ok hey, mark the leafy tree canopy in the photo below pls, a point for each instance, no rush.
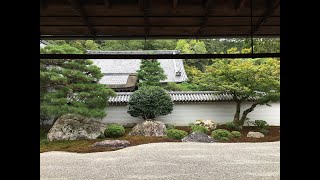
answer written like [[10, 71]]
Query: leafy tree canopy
[[150, 73], [70, 86]]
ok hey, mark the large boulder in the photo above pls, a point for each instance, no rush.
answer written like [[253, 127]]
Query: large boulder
[[114, 144], [198, 137], [149, 128], [252, 134], [209, 124], [74, 127]]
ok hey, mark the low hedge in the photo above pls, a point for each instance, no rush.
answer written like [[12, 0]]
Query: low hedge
[[176, 133]]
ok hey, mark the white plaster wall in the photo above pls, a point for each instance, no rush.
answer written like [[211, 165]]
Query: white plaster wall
[[185, 113]]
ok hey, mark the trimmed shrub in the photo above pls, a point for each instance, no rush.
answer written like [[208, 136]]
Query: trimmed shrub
[[176, 133], [149, 102], [196, 128], [219, 133], [261, 124], [264, 131], [224, 139], [233, 126], [236, 134], [114, 131], [169, 126]]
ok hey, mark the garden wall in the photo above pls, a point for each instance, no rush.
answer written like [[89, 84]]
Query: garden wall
[[185, 113]]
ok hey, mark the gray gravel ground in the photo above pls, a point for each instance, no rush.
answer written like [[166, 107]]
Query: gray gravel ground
[[168, 161]]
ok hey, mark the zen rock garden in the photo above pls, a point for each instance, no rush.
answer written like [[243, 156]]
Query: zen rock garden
[[74, 127]]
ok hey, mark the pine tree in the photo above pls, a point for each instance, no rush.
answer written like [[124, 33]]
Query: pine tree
[[70, 86], [150, 73]]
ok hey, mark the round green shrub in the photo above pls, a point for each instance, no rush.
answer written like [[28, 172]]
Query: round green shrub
[[224, 139], [236, 134], [114, 130], [196, 128], [219, 133], [176, 133], [233, 126], [149, 102], [264, 131], [261, 124]]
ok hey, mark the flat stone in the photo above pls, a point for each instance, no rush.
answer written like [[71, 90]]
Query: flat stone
[[198, 137], [252, 134], [112, 144]]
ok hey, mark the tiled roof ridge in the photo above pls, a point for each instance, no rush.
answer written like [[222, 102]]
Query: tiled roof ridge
[[182, 92], [185, 96], [133, 52]]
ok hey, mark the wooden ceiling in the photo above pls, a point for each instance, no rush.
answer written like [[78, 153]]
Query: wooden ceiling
[[158, 19]]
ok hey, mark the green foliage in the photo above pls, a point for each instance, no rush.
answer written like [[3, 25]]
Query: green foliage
[[224, 139], [264, 131], [243, 79], [176, 133], [233, 126], [169, 126], [236, 134], [193, 73], [70, 86], [267, 45], [220, 133], [150, 73], [122, 45], [261, 124], [171, 86], [197, 128], [149, 102], [114, 131], [193, 47]]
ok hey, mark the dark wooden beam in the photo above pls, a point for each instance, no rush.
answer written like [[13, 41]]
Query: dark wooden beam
[[206, 7], [141, 37], [141, 4], [107, 3], [144, 6], [239, 4], [43, 4], [158, 16], [157, 56], [174, 4], [76, 5], [272, 7], [141, 26]]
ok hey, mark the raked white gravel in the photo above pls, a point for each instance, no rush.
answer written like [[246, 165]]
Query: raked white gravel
[[220, 161]]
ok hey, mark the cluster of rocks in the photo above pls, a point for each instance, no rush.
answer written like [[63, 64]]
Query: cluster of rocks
[[73, 127], [209, 124]]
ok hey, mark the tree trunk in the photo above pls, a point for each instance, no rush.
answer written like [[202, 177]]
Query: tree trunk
[[246, 112], [237, 114]]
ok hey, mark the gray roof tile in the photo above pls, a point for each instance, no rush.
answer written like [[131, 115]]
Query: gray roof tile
[[182, 96], [129, 66]]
